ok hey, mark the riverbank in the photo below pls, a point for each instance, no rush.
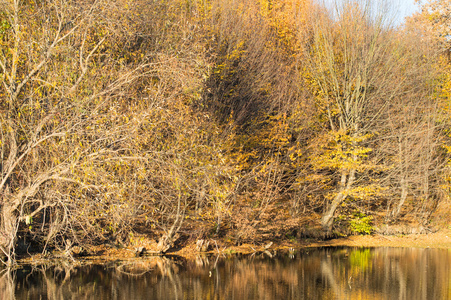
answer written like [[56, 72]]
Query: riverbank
[[440, 239], [104, 253]]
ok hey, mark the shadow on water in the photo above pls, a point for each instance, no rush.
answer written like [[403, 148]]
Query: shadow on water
[[325, 273]]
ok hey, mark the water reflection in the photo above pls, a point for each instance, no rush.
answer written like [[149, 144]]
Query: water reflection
[[327, 273]]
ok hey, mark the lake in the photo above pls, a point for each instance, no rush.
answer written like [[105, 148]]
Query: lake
[[320, 273]]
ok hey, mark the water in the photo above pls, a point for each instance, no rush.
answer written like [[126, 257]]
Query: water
[[325, 273]]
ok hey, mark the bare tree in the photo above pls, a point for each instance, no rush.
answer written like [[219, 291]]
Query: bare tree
[[59, 107], [351, 60]]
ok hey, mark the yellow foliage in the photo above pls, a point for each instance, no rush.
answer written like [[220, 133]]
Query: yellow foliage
[[365, 192], [342, 152]]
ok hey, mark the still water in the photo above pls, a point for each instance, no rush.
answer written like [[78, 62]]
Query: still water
[[325, 273]]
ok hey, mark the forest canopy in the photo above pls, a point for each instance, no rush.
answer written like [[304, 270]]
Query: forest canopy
[[243, 121]]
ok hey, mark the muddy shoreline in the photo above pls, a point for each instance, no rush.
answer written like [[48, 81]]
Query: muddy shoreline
[[104, 253]]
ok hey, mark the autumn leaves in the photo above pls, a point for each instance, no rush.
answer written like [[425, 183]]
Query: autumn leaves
[[123, 113]]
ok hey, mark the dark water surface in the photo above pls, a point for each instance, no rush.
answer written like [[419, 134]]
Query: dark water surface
[[326, 273]]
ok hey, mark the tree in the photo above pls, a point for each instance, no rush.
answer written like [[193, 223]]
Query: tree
[[61, 88], [351, 61], [434, 18], [411, 133]]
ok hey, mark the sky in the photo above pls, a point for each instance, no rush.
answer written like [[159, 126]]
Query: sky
[[406, 8], [402, 8]]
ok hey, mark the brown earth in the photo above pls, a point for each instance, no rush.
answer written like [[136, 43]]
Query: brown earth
[[393, 236], [440, 239], [104, 253]]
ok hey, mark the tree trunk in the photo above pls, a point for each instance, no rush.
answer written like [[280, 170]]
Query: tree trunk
[[328, 217], [8, 232], [345, 184], [404, 193]]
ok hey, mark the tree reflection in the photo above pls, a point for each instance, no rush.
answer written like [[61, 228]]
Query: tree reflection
[[6, 285], [346, 273]]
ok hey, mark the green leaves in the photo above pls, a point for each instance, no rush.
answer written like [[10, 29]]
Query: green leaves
[[361, 224], [4, 26]]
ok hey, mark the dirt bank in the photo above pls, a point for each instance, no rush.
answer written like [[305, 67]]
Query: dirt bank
[[439, 239]]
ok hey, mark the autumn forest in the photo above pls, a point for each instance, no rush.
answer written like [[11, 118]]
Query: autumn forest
[[242, 121]]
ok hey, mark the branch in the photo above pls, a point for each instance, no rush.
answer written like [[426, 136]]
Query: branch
[[30, 147]]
